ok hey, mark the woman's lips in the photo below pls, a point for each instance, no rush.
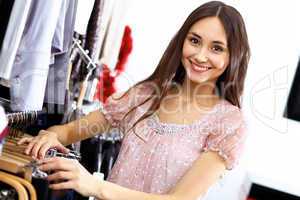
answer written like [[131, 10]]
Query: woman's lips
[[199, 68]]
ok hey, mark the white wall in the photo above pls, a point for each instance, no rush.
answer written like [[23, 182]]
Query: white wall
[[274, 33]]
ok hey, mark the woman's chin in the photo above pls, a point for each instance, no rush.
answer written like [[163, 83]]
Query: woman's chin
[[198, 79]]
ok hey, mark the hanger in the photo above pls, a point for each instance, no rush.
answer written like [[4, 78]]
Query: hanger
[[84, 55], [14, 160], [26, 184], [22, 194], [11, 164]]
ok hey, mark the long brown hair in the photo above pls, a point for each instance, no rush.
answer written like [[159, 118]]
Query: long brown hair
[[229, 85]]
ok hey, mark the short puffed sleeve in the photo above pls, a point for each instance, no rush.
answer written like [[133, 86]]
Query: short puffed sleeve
[[115, 108], [228, 135]]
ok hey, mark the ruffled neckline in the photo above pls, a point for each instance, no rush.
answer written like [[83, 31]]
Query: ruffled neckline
[[165, 127]]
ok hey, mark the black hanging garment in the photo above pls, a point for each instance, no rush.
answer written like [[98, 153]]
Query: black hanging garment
[[5, 11], [110, 153]]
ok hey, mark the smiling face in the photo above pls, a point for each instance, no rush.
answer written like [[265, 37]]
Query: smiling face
[[205, 54]]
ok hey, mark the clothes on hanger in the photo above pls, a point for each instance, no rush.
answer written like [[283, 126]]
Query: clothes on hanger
[[103, 27], [30, 49], [13, 159], [93, 38], [56, 81], [78, 64], [47, 33], [83, 13], [82, 88], [114, 15], [13, 35], [103, 39], [100, 153], [110, 153], [20, 121], [31, 64], [40, 68], [61, 48], [91, 151]]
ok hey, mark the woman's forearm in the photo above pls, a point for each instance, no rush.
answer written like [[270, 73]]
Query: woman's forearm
[[61, 132], [110, 191], [80, 129]]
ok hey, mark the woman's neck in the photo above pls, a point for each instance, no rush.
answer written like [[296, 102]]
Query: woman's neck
[[199, 93]]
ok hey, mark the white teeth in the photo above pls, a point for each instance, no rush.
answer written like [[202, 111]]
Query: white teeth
[[203, 68], [200, 68]]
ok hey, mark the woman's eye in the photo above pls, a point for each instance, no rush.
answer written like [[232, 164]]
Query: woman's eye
[[218, 48], [194, 40]]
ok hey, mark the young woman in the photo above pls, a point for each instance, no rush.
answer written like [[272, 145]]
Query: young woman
[[182, 126]]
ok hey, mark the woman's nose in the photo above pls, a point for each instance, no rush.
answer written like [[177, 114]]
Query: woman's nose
[[201, 55]]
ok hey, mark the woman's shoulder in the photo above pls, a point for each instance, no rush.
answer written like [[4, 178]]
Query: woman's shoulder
[[227, 112], [133, 96], [227, 108], [227, 118], [142, 90], [133, 91]]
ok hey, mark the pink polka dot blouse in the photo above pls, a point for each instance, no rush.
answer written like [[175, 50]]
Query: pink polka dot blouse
[[157, 155]]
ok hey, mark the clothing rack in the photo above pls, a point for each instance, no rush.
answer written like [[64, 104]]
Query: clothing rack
[[92, 161], [111, 136], [84, 55], [90, 66], [13, 162], [23, 117], [20, 185], [16, 123]]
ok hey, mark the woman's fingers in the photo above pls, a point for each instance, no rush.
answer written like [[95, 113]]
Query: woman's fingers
[[62, 148], [68, 174], [39, 145], [36, 148], [63, 185], [61, 175], [31, 144], [46, 146], [43, 149], [56, 163], [24, 140]]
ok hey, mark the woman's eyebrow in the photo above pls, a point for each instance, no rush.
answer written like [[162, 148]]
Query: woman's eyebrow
[[215, 42], [219, 42], [195, 34]]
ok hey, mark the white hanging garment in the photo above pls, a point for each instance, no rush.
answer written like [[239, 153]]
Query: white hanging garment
[[60, 52], [29, 75], [114, 30], [83, 13], [13, 37]]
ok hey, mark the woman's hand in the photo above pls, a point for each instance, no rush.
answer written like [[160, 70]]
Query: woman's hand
[[69, 174], [39, 145]]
